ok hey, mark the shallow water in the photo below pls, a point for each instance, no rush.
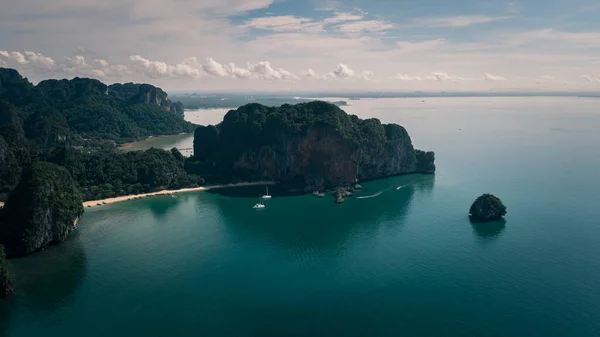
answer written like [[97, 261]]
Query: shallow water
[[404, 263]]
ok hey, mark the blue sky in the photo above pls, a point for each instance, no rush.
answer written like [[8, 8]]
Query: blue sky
[[306, 45]]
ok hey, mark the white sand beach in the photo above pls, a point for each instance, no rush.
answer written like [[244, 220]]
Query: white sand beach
[[97, 203]]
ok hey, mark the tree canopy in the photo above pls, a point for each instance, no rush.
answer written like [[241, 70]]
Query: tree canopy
[[487, 207], [42, 209]]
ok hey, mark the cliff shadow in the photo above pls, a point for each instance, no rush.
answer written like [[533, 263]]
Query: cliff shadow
[[5, 314], [308, 222], [275, 190], [488, 231], [161, 205], [46, 280]]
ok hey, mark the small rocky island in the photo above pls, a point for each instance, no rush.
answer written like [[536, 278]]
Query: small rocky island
[[487, 207], [305, 147], [42, 210]]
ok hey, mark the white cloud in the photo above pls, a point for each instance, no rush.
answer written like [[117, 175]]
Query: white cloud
[[366, 75], [214, 68], [97, 68], [284, 23], [263, 70], [238, 72], [364, 26], [310, 74], [404, 77], [342, 71], [455, 21], [586, 39], [548, 77], [591, 79], [419, 46], [442, 77], [30, 59], [157, 69], [490, 77], [341, 17]]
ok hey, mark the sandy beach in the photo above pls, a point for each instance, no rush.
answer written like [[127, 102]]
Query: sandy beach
[[97, 203]]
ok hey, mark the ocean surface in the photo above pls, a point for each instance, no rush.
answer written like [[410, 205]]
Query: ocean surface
[[404, 261]]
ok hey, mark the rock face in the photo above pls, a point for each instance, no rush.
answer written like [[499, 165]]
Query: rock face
[[6, 283], [487, 207], [305, 147], [42, 210], [146, 94]]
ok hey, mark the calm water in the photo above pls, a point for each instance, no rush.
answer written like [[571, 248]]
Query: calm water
[[184, 142], [405, 263]]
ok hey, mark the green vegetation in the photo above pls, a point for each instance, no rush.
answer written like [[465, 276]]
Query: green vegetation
[[6, 283], [42, 210], [77, 123], [487, 207], [307, 141], [110, 173], [232, 101], [425, 161], [84, 111]]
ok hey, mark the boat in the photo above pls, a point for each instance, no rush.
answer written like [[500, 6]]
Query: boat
[[260, 205], [267, 196]]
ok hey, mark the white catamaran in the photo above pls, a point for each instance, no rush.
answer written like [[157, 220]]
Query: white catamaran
[[260, 205], [267, 196]]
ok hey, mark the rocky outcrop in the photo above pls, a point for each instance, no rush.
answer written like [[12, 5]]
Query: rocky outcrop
[[306, 147], [145, 94], [42, 210], [6, 282], [487, 207]]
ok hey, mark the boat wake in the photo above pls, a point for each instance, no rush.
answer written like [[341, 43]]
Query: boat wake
[[371, 196]]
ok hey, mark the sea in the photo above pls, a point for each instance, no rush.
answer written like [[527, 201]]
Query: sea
[[400, 258]]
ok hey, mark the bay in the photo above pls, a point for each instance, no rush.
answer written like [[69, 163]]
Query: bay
[[406, 262]]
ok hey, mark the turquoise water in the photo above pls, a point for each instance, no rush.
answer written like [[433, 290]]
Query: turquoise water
[[405, 263]]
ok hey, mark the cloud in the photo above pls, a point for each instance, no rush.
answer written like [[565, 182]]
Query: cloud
[[366, 75], [420, 46], [214, 68], [455, 21], [264, 70], [490, 77], [28, 58], [310, 74], [237, 72], [579, 38], [442, 77], [341, 17], [157, 69], [260, 70], [364, 26], [591, 79], [342, 71], [284, 23], [77, 66], [548, 77], [404, 77]]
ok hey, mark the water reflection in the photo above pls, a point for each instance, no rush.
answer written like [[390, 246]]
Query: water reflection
[[161, 205], [60, 268], [488, 230], [304, 224], [5, 305]]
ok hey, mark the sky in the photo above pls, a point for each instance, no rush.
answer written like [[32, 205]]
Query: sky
[[306, 45]]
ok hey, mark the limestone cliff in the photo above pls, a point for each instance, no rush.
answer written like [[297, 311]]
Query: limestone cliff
[[306, 146], [42, 210]]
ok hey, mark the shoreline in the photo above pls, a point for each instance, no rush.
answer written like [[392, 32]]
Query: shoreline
[[107, 201]]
